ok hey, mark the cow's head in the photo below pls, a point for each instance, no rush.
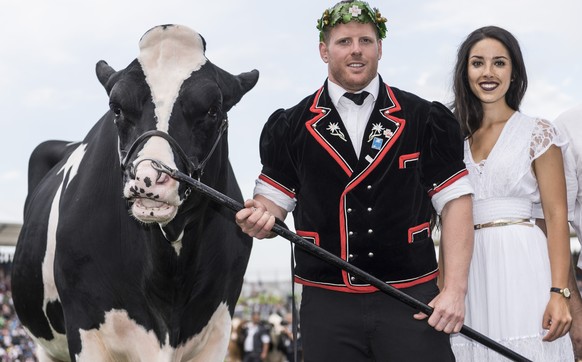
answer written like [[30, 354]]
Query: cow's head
[[174, 89]]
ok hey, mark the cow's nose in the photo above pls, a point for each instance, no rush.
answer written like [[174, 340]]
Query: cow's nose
[[143, 171]]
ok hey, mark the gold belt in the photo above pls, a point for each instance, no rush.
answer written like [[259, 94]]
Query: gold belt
[[525, 222]]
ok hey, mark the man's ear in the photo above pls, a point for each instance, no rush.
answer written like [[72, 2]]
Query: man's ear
[[323, 52], [379, 49]]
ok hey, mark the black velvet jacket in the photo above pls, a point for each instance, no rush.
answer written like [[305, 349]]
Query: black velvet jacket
[[374, 211]]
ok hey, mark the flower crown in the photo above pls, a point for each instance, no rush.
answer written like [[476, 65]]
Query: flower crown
[[344, 12]]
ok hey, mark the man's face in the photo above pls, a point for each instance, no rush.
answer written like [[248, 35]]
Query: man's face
[[352, 52]]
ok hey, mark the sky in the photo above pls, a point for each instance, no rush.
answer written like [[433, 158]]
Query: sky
[[48, 87]]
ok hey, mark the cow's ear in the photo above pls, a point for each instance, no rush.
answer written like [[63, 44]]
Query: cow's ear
[[104, 72], [234, 87]]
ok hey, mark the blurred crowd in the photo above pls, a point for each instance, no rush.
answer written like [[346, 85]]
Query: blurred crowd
[[15, 345], [265, 338], [262, 328]]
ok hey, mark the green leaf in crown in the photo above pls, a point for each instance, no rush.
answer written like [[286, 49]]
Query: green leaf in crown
[[347, 11]]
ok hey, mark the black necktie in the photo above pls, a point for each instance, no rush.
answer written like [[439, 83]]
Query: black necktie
[[357, 98]]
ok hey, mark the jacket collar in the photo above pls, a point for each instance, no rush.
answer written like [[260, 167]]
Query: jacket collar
[[382, 131]]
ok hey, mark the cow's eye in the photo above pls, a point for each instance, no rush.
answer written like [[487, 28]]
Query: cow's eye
[[213, 111], [115, 109]]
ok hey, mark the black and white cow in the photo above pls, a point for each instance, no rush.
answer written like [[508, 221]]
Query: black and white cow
[[94, 281]]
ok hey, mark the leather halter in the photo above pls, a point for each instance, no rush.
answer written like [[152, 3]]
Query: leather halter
[[191, 168]]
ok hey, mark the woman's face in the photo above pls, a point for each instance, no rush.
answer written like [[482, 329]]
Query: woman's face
[[489, 71]]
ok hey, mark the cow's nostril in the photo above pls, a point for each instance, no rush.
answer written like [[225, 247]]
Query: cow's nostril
[[162, 178]]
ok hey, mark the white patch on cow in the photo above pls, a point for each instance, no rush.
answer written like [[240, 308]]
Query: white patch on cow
[[168, 55], [176, 244], [120, 338], [58, 346]]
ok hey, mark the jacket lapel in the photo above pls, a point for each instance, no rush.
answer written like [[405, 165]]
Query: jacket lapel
[[329, 131], [382, 132]]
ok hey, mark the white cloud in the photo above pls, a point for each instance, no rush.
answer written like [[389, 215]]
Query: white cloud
[[11, 175]]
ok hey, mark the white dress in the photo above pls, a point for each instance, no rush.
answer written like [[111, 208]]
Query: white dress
[[509, 277]]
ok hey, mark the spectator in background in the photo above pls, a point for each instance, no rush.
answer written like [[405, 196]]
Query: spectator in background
[[15, 344], [570, 125], [256, 339], [287, 343]]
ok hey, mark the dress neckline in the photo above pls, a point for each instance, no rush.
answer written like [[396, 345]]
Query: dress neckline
[[482, 162]]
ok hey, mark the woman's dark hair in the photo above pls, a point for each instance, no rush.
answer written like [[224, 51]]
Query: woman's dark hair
[[466, 106]]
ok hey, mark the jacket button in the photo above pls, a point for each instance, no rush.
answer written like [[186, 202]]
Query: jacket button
[[370, 231], [369, 209], [353, 279], [371, 255], [369, 187], [351, 233], [349, 210], [351, 256]]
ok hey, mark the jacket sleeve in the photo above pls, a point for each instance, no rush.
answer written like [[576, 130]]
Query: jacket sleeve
[[442, 150], [274, 147]]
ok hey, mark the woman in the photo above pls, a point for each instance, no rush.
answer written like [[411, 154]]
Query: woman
[[517, 281]]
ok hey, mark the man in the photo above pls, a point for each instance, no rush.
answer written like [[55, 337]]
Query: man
[[286, 343], [256, 339], [570, 125], [362, 178]]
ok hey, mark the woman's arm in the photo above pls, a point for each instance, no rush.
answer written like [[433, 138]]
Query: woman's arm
[[549, 172]]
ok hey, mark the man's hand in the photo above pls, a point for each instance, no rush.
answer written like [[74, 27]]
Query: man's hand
[[258, 217], [448, 312], [255, 220]]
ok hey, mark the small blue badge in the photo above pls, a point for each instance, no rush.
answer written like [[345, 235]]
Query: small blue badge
[[377, 143]]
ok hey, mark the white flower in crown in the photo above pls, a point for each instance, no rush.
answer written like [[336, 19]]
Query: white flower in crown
[[388, 133], [355, 11]]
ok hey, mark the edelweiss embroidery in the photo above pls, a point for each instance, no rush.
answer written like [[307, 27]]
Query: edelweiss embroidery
[[334, 130], [377, 130]]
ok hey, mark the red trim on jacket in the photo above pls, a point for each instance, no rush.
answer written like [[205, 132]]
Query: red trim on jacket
[[447, 182], [361, 177], [277, 185], [405, 158], [415, 229], [309, 234], [369, 288], [322, 112]]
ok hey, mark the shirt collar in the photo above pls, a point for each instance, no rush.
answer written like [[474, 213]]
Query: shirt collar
[[336, 91]]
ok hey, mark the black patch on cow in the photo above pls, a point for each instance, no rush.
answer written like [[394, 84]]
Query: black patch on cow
[[54, 312], [148, 181]]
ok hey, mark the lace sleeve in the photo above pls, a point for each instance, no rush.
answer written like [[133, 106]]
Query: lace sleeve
[[544, 135]]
